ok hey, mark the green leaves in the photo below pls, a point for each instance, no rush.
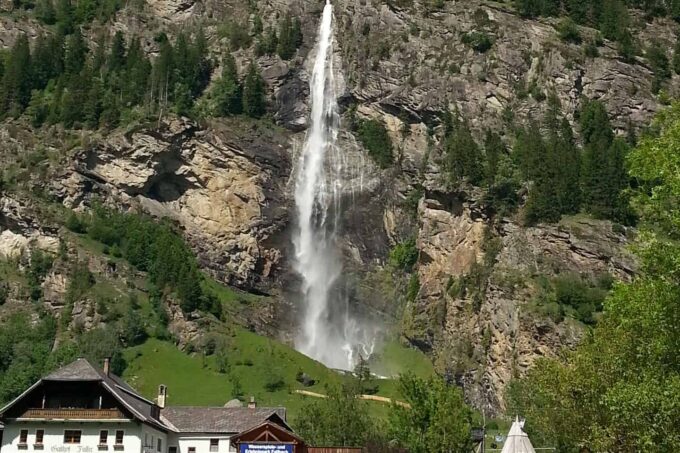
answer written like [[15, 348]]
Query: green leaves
[[436, 419], [620, 389]]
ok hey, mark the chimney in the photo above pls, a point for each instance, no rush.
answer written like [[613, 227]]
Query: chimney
[[252, 404], [162, 394], [107, 365]]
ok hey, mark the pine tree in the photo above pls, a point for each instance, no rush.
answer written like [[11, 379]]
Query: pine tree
[[200, 62], [228, 91], [76, 51], [116, 59], [65, 17], [42, 66], [676, 54], [614, 20], [17, 80], [254, 103], [493, 150], [658, 60], [603, 174], [182, 61], [162, 77], [567, 161], [44, 11], [463, 158], [286, 45], [137, 73], [529, 150], [296, 33]]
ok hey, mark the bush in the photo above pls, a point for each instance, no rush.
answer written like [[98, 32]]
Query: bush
[[568, 31], [478, 40], [274, 382], [74, 223], [373, 135], [404, 255]]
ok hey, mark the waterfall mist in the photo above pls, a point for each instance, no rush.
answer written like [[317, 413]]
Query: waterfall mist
[[330, 332]]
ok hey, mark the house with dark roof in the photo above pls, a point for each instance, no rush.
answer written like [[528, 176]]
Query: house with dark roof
[[83, 409]]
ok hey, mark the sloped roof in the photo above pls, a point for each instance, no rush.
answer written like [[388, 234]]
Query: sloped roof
[[517, 440], [193, 419], [188, 419], [81, 370], [78, 370]]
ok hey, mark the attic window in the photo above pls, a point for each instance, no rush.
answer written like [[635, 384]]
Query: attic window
[[214, 444], [72, 436]]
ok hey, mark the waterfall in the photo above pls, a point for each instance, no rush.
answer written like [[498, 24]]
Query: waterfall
[[329, 332]]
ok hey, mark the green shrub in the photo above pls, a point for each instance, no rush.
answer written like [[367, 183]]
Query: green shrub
[[274, 382], [404, 255], [477, 40], [373, 135], [568, 31], [413, 288], [41, 263]]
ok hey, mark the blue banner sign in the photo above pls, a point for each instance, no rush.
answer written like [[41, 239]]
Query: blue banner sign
[[265, 448]]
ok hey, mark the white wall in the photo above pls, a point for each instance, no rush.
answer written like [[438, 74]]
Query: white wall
[[53, 440], [201, 441]]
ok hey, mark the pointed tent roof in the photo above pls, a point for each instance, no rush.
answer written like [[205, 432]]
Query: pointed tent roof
[[517, 441]]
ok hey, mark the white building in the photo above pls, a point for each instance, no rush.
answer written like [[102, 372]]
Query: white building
[[82, 409]]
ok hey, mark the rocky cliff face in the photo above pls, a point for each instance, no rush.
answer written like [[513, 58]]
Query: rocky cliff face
[[227, 182]]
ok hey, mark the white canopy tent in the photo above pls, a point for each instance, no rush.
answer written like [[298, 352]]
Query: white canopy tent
[[517, 441]]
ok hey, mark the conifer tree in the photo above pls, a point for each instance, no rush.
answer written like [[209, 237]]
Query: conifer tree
[[44, 11], [658, 60], [228, 91], [254, 102], [286, 45], [603, 174], [116, 59], [463, 157], [42, 66], [76, 51], [64, 17], [137, 73], [676, 54], [15, 91], [493, 150]]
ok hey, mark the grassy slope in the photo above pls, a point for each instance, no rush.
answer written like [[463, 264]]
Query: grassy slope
[[194, 380]]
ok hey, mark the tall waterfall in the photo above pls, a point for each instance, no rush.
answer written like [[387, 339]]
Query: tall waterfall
[[329, 332]]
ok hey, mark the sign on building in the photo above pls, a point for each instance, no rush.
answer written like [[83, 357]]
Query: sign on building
[[266, 448]]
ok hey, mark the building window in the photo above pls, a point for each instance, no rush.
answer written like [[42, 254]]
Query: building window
[[159, 444], [214, 444], [192, 449], [119, 440], [39, 435], [23, 439], [72, 436], [172, 449], [103, 439]]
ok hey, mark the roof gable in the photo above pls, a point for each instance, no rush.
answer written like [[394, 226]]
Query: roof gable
[[81, 370], [78, 370]]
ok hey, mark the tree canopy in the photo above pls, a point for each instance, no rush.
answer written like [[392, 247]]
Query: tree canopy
[[620, 389]]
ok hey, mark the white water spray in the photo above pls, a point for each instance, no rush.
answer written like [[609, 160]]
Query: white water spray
[[329, 334]]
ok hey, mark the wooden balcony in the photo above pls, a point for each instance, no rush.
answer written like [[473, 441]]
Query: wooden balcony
[[73, 414]]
